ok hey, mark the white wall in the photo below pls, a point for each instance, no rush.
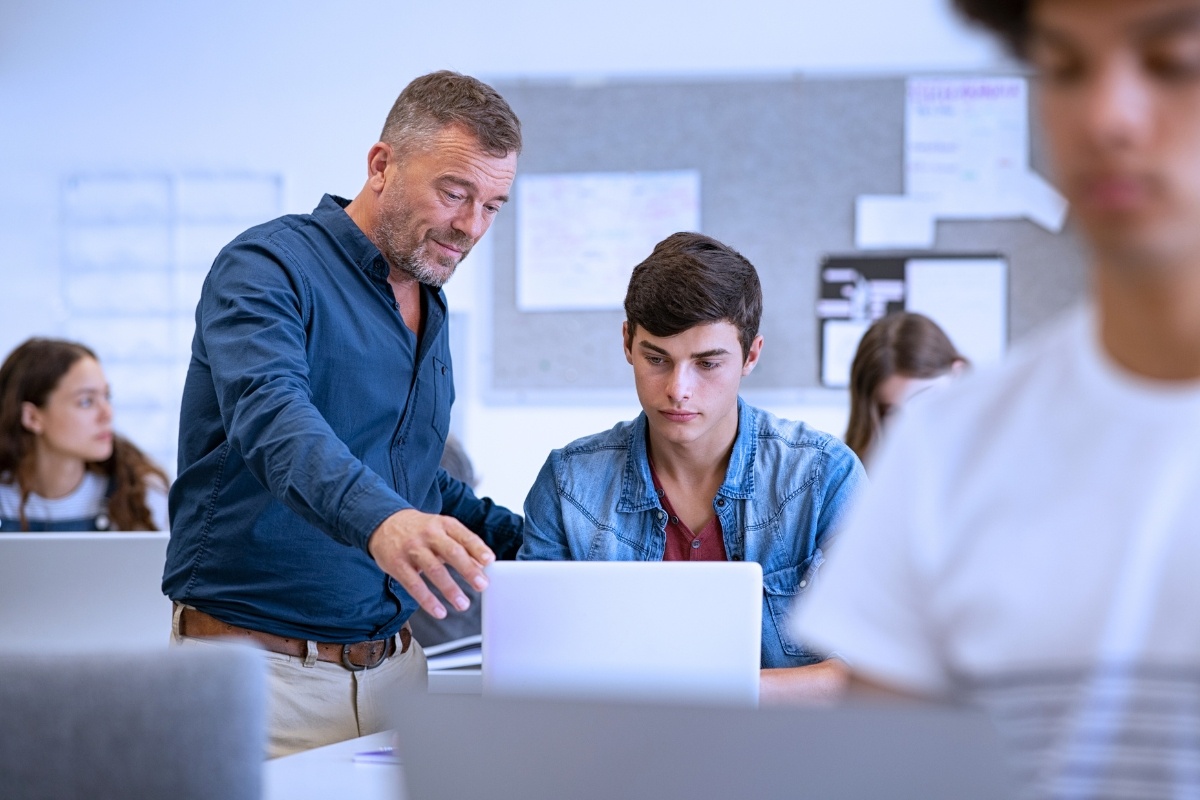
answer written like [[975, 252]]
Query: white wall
[[189, 97]]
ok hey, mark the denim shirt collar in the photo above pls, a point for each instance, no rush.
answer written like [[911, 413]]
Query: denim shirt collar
[[637, 487]]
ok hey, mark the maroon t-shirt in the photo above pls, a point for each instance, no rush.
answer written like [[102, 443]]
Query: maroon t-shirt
[[682, 544]]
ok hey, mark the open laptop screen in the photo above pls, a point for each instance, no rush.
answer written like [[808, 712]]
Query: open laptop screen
[[662, 631]]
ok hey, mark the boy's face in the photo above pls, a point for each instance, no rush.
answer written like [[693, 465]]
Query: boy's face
[[688, 383], [1119, 97]]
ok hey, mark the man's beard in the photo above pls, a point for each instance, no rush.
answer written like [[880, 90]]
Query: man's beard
[[414, 258]]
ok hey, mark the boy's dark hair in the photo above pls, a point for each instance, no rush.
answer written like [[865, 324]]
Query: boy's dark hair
[[1008, 19], [691, 279]]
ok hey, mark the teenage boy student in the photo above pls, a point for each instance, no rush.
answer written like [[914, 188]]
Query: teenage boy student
[[1031, 539], [700, 474]]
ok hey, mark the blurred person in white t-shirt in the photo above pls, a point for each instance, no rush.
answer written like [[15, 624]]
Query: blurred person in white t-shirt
[[1031, 536]]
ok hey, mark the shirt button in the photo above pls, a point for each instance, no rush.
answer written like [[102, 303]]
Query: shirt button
[[674, 520], [721, 501], [660, 514], [695, 544], [443, 370], [803, 584], [659, 492]]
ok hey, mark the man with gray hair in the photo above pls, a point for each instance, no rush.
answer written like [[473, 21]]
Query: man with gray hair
[[310, 508]]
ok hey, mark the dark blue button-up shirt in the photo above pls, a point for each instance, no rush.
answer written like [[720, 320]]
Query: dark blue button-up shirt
[[310, 414]]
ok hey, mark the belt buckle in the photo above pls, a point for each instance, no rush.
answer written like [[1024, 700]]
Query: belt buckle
[[360, 667], [347, 663]]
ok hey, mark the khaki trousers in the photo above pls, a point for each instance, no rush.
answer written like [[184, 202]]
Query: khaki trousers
[[322, 703]]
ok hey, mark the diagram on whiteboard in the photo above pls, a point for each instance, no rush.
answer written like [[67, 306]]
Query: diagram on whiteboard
[[579, 235]]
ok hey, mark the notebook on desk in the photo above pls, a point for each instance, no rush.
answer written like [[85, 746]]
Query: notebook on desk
[[659, 631], [456, 746], [62, 592]]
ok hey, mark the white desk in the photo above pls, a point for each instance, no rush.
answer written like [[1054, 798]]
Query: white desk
[[331, 771]]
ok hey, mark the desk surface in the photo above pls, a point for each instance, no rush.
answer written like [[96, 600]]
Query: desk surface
[[331, 771]]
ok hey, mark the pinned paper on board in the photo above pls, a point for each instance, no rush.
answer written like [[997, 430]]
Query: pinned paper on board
[[966, 156], [579, 235], [966, 295]]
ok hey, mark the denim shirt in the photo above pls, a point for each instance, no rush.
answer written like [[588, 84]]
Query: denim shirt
[[785, 492], [310, 414]]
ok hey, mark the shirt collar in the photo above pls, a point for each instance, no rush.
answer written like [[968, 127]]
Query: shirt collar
[[739, 478], [638, 492], [331, 212]]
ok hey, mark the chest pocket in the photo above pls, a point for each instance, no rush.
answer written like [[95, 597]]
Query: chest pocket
[[781, 588], [443, 397]]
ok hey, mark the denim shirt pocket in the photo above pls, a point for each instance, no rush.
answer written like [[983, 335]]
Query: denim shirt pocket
[[442, 379], [781, 589]]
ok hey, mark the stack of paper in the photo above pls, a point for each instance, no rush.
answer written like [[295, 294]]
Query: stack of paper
[[458, 654]]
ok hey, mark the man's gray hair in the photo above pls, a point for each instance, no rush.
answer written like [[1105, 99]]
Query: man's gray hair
[[433, 101]]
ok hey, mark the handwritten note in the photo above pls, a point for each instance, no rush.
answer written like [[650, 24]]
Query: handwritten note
[[966, 156]]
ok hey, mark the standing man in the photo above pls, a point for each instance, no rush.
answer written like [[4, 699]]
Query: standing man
[[1031, 538], [701, 475], [309, 508]]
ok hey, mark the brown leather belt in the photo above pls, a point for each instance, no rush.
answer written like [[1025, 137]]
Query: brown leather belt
[[354, 657]]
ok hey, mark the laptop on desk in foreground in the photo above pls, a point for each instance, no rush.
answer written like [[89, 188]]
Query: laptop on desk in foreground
[[513, 748], [632, 630], [67, 592]]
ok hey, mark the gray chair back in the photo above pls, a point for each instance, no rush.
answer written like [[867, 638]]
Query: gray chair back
[[183, 723]]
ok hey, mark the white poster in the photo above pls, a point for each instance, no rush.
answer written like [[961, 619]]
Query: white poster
[[579, 235], [966, 156], [839, 343], [968, 298], [966, 140]]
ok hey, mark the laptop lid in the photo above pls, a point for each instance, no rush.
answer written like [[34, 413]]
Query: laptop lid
[[62, 592], [456, 746], [661, 631]]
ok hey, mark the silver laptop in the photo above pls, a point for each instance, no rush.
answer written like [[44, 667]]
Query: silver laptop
[[657, 631], [456, 746], [64, 592]]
